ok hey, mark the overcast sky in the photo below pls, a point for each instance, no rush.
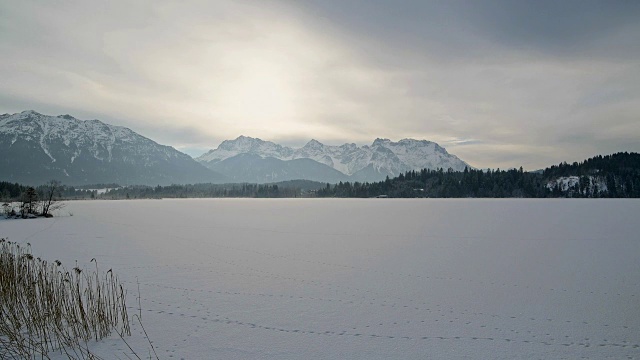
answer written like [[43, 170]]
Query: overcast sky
[[498, 83]]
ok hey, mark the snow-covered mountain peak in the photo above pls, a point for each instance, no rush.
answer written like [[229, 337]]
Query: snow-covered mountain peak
[[93, 136], [383, 156], [245, 145], [89, 149], [414, 142], [380, 141], [349, 146], [30, 112], [313, 144], [34, 120]]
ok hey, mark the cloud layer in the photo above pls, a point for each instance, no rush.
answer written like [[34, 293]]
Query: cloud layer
[[501, 84]]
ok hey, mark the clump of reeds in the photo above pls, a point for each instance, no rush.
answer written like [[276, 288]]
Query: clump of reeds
[[45, 308]]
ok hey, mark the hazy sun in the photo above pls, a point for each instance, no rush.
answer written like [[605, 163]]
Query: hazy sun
[[261, 92]]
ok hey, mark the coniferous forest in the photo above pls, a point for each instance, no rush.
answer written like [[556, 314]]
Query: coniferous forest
[[616, 175], [610, 176]]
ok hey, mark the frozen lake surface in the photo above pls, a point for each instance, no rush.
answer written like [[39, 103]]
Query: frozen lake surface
[[362, 279]]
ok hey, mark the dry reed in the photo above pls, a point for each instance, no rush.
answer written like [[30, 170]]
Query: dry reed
[[45, 308]]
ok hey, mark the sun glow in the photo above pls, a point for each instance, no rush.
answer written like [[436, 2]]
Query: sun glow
[[260, 93]]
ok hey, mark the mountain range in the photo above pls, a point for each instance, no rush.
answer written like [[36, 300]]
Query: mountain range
[[37, 148], [248, 159]]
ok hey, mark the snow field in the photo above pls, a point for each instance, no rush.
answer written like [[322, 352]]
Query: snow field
[[362, 279]]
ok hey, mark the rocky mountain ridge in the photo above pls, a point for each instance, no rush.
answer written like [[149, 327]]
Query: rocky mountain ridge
[[362, 163], [37, 148]]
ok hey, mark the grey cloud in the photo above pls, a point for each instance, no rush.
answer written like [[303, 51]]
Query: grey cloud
[[584, 28], [478, 29], [526, 82]]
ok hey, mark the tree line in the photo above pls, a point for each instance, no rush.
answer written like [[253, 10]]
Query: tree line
[[28, 201], [202, 191], [14, 192], [616, 175]]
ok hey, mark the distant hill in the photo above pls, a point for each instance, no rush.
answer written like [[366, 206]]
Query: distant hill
[[252, 168], [37, 148]]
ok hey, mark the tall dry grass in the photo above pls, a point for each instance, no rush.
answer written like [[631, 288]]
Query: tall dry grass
[[45, 308]]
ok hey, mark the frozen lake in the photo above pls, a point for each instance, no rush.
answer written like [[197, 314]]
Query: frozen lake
[[363, 279]]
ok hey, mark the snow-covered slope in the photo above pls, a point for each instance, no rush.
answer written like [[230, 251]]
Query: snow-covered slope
[[245, 145], [37, 148], [367, 163], [332, 156], [421, 154], [588, 185]]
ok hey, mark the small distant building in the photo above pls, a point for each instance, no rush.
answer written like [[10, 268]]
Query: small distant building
[[382, 196]]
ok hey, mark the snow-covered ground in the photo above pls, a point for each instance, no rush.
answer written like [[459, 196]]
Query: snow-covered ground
[[362, 279]]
